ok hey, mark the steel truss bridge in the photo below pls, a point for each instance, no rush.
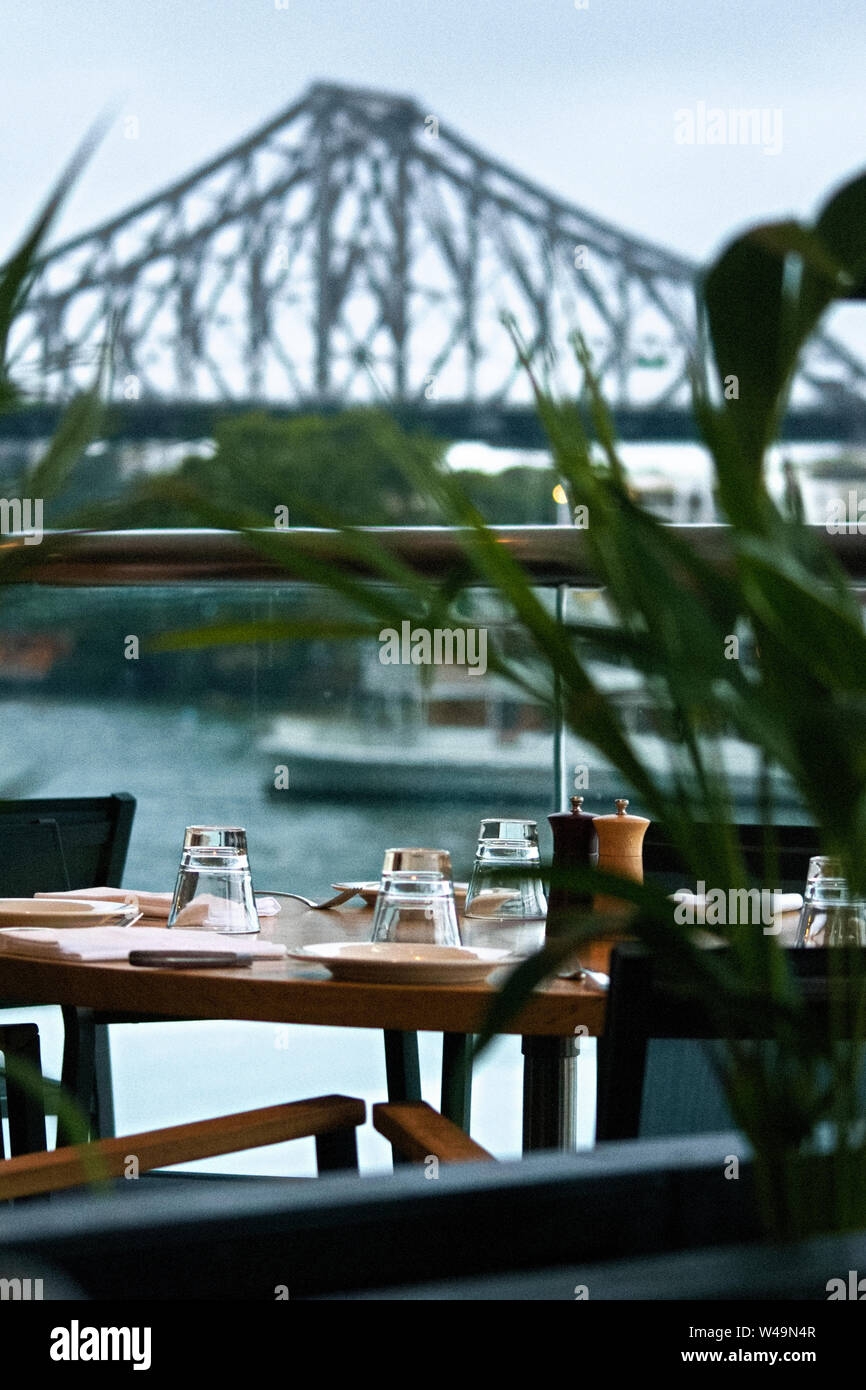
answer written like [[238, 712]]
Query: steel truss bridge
[[356, 249]]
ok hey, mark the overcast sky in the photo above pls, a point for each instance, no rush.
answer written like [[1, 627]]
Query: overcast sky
[[583, 100]]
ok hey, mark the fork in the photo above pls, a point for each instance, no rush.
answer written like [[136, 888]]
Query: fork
[[593, 977], [342, 897]]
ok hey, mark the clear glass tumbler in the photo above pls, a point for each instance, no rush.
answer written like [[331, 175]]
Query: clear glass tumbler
[[214, 890], [506, 883], [831, 916], [416, 899], [821, 866]]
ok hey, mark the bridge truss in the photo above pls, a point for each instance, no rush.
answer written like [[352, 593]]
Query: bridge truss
[[356, 249]]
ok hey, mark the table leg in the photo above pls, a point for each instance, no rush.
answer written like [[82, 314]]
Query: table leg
[[549, 1093], [456, 1093], [402, 1069]]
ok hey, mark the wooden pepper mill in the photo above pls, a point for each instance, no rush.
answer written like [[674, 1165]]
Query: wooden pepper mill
[[574, 846], [620, 851]]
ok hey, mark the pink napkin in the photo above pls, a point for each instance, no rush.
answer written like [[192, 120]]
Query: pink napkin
[[155, 907], [115, 943]]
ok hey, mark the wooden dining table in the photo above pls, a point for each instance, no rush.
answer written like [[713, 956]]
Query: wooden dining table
[[291, 991]]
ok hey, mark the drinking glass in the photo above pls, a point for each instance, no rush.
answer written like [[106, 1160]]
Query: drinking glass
[[506, 884], [831, 916], [214, 890], [821, 866], [416, 899]]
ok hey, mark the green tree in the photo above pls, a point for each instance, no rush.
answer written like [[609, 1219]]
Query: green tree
[[516, 496], [351, 464]]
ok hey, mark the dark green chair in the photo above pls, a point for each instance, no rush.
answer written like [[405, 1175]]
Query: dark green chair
[[657, 1076], [54, 845], [656, 1073]]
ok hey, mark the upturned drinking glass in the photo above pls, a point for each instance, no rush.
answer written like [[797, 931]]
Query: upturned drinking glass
[[214, 889], [832, 917], [506, 883], [416, 899], [821, 866]]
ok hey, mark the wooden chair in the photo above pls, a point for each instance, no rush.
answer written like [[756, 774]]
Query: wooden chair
[[33, 1170], [332, 1120], [54, 845], [417, 1132]]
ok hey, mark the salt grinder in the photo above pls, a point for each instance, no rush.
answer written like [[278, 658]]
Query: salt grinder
[[574, 846], [620, 851]]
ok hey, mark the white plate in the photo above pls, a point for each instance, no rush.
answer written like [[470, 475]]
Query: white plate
[[402, 962], [63, 912], [369, 891]]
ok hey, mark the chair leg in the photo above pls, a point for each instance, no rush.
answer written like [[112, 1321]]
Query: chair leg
[[86, 1073], [103, 1093], [24, 1089], [337, 1151], [77, 1076]]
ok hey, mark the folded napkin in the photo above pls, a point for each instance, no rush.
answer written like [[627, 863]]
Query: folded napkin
[[209, 911], [154, 907], [115, 943]]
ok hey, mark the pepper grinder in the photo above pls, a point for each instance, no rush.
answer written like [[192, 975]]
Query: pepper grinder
[[574, 846], [620, 851]]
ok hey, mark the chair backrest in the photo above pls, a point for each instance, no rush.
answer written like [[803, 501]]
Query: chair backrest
[[794, 846], [51, 844], [339, 1234], [656, 1074]]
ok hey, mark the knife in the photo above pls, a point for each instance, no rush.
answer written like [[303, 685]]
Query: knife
[[191, 960]]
